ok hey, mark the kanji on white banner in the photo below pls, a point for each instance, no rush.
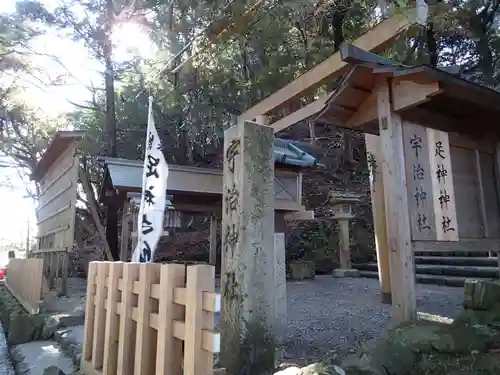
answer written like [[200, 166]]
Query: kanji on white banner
[[154, 190]]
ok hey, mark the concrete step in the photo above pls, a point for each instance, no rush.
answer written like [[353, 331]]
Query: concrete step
[[442, 269], [455, 281], [458, 261]]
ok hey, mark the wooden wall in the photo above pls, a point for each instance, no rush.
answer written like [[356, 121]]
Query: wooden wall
[[478, 211], [475, 192], [57, 204], [56, 218]]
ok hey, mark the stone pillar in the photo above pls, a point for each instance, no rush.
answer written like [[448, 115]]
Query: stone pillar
[[212, 257], [342, 205], [345, 244], [248, 324], [280, 275]]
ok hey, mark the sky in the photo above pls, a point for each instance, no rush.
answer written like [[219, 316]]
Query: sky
[[79, 70]]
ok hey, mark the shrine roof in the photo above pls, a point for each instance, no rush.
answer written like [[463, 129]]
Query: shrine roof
[[462, 102], [126, 173]]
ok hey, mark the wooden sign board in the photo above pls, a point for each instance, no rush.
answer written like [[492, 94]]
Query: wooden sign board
[[419, 183], [442, 186], [429, 178]]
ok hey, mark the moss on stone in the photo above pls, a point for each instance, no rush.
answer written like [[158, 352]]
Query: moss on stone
[[254, 354]]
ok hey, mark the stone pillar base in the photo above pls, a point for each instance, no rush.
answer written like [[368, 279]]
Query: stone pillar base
[[345, 272], [386, 298]]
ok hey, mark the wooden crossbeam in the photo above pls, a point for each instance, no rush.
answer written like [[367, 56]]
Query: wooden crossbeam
[[376, 39]]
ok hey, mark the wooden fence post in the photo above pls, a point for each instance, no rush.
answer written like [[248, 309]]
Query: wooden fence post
[[112, 320], [126, 346], [100, 315], [197, 361], [169, 348], [88, 335], [149, 273]]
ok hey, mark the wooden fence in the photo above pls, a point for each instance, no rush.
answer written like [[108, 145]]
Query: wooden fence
[[25, 281], [147, 319], [55, 268]]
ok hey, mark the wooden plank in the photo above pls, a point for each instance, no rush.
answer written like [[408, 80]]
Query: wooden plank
[[366, 112], [200, 278], [126, 337], [376, 39], [100, 315], [169, 349], [27, 290], [374, 159], [408, 94], [419, 182], [88, 336], [466, 192], [443, 190], [149, 273], [397, 212], [301, 114], [112, 320], [64, 273]]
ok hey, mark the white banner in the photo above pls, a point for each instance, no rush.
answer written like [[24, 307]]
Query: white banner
[[154, 190]]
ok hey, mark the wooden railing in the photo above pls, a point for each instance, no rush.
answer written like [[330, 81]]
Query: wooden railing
[[147, 319], [25, 281]]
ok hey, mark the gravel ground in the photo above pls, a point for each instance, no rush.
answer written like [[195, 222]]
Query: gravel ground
[[329, 317]]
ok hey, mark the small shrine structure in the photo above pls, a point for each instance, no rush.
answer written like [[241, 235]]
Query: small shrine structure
[[434, 160], [195, 190]]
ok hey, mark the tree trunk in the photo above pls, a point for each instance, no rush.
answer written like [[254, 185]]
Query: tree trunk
[[338, 27], [112, 216], [485, 58], [431, 45]]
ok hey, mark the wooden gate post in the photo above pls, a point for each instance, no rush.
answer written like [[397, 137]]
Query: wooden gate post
[[248, 337], [374, 157], [402, 265]]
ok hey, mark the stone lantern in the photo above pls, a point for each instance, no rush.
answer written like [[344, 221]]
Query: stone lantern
[[342, 204]]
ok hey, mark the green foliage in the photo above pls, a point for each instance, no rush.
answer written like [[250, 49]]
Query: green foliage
[[317, 242]]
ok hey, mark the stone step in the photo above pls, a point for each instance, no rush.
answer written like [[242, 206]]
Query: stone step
[[458, 261], [34, 357], [70, 340], [454, 281], [442, 269], [454, 253]]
